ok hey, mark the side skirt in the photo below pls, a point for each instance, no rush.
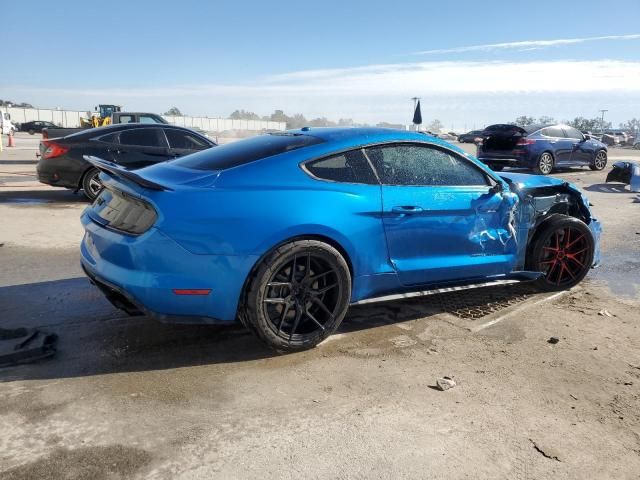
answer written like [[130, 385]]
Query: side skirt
[[514, 277]]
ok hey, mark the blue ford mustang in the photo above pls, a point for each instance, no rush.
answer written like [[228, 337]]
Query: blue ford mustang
[[284, 231]]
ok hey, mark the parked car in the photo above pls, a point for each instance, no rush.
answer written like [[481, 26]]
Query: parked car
[[6, 127], [36, 126], [469, 137], [116, 119], [284, 231], [540, 148], [615, 137], [131, 145]]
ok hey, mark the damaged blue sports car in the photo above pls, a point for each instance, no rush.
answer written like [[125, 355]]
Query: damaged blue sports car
[[284, 231]]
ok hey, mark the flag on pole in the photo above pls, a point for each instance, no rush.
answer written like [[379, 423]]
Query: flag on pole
[[417, 115]]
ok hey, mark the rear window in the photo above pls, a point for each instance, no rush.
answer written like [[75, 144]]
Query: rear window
[[246, 151]]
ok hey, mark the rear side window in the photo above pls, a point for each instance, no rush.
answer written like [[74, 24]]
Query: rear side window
[[553, 132], [348, 167], [148, 119], [246, 151], [142, 137], [186, 140], [423, 165], [126, 119]]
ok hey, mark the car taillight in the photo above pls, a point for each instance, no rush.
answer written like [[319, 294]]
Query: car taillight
[[53, 149], [525, 141]]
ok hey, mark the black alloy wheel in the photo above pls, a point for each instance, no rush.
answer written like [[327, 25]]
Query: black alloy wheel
[[91, 184], [298, 296]]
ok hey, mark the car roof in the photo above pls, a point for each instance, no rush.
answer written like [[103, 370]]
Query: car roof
[[123, 127], [355, 136]]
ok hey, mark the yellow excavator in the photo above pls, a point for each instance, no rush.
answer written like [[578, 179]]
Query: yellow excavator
[[101, 117]]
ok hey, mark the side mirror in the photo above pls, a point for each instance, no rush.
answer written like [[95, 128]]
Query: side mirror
[[586, 137], [496, 187]]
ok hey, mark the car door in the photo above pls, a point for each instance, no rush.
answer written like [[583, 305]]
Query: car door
[[139, 147], [184, 142], [582, 149], [559, 144], [444, 218]]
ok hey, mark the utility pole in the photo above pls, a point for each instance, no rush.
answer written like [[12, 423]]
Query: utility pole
[[602, 118]]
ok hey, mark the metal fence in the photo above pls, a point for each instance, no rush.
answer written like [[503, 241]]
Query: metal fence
[[71, 119]]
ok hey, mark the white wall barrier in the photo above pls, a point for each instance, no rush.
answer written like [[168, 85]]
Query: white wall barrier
[[71, 119]]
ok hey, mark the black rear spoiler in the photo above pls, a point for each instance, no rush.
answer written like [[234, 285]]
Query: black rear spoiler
[[116, 170]]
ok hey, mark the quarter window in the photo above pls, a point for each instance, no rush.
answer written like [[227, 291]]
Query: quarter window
[[348, 167], [126, 119], [421, 165]]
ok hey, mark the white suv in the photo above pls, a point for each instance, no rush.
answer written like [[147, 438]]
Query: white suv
[[6, 126]]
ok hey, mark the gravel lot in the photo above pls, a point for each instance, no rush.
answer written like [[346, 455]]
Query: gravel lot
[[131, 398]]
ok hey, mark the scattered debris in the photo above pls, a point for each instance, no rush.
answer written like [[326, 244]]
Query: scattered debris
[[549, 453], [605, 313], [21, 345], [595, 348], [628, 383], [553, 340], [445, 383], [573, 396]]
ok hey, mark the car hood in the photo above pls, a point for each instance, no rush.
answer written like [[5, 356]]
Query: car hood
[[525, 182]]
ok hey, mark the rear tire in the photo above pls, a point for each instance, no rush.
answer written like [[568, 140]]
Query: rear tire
[[600, 161], [32, 131], [297, 296], [91, 184], [562, 248], [545, 164]]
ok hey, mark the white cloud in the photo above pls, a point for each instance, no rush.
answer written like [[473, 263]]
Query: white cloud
[[527, 44], [456, 91]]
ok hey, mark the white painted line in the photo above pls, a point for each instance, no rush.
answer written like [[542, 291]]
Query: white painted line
[[518, 310]]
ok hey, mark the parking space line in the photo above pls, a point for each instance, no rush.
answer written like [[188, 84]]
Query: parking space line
[[518, 310]]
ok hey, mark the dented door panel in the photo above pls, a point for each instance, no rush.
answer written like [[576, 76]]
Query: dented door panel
[[444, 233]]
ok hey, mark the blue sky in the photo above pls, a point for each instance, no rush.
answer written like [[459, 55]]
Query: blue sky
[[471, 62]]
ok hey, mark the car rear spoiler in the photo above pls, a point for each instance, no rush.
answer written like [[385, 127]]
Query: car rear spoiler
[[118, 171]]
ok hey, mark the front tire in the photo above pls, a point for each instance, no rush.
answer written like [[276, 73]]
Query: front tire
[[32, 131], [563, 249], [545, 164], [600, 161], [297, 296], [91, 184]]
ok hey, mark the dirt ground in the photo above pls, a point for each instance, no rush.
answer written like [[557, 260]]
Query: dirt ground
[[131, 398]]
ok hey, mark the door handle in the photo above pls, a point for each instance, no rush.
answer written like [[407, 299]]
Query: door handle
[[116, 151], [407, 209]]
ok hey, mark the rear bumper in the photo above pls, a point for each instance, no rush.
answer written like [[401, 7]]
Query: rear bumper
[[139, 274], [50, 173], [510, 158]]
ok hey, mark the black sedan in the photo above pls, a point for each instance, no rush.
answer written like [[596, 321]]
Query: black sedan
[[36, 126], [130, 145], [469, 137]]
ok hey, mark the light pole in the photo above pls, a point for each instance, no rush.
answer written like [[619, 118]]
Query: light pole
[[602, 119]]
